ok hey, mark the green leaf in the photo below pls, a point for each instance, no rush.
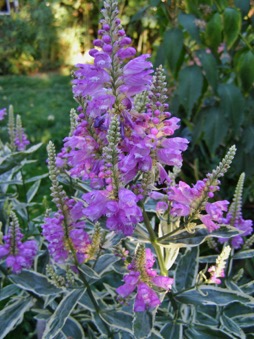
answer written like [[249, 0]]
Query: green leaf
[[189, 89], [104, 263], [231, 104], [244, 254], [231, 326], [34, 282], [215, 128], [62, 313], [213, 32], [187, 269], [206, 332], [100, 325], [210, 68], [245, 320], [232, 21], [13, 314], [185, 238], [88, 272], [208, 259], [172, 330], [32, 191], [37, 177], [86, 302], [142, 324], [245, 70], [73, 329], [211, 295], [118, 319], [173, 44], [8, 291], [187, 21]]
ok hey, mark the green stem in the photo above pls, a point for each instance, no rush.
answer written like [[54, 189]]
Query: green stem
[[153, 240]]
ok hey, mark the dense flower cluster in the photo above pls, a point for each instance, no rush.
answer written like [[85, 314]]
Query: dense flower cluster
[[66, 234], [20, 139], [143, 278], [17, 254], [115, 139]]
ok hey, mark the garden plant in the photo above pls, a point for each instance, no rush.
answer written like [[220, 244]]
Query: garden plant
[[128, 249]]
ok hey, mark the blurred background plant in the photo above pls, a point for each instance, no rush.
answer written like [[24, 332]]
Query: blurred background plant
[[206, 47]]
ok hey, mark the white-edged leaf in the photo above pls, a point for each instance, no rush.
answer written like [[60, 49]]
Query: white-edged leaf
[[118, 319], [143, 324], [13, 314], [32, 191], [62, 313], [8, 291], [73, 329], [104, 263], [211, 295], [34, 282]]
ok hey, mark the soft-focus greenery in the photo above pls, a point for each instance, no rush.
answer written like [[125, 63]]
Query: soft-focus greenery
[[207, 48]]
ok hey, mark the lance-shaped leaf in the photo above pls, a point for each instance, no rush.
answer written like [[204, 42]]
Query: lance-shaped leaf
[[231, 326], [118, 319], [172, 330], [207, 332], [211, 295], [173, 44], [143, 324], [8, 291], [244, 254], [105, 263], [184, 238], [13, 314], [62, 313], [209, 65], [73, 329], [187, 269], [34, 282]]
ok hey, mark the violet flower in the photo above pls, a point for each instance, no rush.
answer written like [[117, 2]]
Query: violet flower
[[17, 254], [3, 113], [142, 277]]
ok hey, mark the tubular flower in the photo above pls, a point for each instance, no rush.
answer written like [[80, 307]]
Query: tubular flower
[[142, 277]]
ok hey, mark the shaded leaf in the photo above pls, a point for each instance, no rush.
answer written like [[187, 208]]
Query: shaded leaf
[[213, 32], [231, 104], [187, 21], [172, 330], [232, 21], [209, 66], [104, 263], [206, 332], [142, 324], [245, 69], [118, 319], [8, 291], [244, 254], [189, 87], [215, 128], [73, 329], [173, 44], [231, 326]]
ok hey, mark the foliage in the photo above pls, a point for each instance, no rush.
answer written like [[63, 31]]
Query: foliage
[[120, 210], [207, 48]]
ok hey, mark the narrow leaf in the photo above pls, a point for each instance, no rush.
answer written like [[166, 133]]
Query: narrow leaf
[[104, 263], [211, 295], [62, 313], [13, 314], [32, 191], [209, 65], [207, 332], [118, 319], [186, 271], [8, 291], [172, 330], [142, 324]]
